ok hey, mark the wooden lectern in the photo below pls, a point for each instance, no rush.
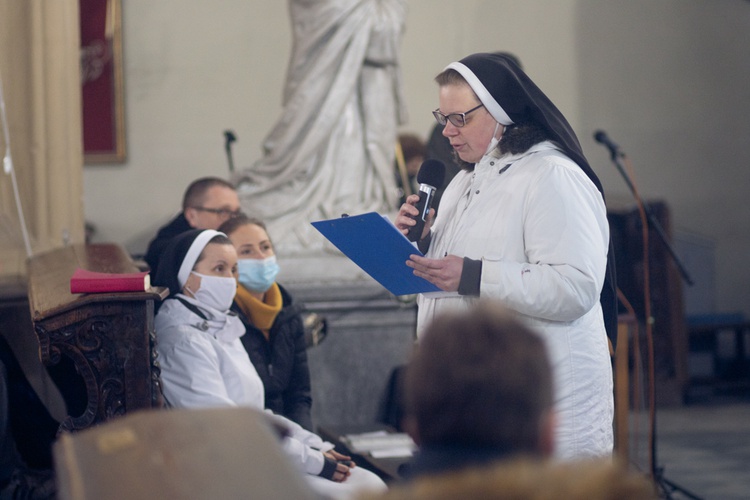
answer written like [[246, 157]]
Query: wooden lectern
[[105, 339]]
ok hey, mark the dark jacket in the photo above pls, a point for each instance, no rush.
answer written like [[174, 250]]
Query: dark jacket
[[281, 361], [176, 226]]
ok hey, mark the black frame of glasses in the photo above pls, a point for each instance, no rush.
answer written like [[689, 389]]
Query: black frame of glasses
[[219, 211], [444, 119]]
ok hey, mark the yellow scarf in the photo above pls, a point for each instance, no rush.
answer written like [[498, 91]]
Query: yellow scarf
[[260, 313]]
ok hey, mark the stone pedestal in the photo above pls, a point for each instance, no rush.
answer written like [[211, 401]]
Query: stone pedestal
[[319, 268], [370, 332]]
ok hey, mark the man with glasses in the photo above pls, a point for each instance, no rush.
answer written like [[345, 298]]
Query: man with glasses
[[208, 202], [524, 223]]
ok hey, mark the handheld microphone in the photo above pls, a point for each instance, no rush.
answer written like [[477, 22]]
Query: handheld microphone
[[601, 137], [430, 177]]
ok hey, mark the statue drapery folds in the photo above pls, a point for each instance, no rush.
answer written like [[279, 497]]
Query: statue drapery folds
[[332, 150]]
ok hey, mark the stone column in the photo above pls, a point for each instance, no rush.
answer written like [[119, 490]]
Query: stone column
[[39, 67]]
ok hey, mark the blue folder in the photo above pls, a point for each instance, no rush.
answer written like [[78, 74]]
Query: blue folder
[[375, 245]]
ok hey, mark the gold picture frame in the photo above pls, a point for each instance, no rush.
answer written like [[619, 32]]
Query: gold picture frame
[[102, 88]]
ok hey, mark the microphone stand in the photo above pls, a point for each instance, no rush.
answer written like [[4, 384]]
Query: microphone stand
[[229, 138], [616, 155], [665, 485]]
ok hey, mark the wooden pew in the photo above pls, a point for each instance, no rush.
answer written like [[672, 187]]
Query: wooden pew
[[107, 337]]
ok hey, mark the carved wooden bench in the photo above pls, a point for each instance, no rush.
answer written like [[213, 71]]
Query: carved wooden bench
[[107, 337]]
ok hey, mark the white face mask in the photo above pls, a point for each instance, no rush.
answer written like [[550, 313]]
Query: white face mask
[[216, 292]]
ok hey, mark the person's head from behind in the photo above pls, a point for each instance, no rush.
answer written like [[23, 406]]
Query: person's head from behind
[[257, 267], [484, 104], [200, 264], [480, 379], [208, 202]]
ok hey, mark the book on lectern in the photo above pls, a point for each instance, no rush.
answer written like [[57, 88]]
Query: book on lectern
[[377, 246], [85, 281]]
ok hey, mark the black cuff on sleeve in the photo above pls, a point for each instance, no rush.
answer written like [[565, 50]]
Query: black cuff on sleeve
[[329, 468], [471, 277], [424, 243]]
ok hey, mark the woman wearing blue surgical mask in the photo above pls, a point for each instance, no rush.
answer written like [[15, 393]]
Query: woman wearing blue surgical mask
[[275, 339]]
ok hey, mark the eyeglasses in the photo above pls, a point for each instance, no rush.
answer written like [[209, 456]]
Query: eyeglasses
[[223, 212], [457, 119]]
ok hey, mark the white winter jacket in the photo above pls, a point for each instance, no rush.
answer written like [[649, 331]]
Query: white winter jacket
[[539, 226], [204, 365]]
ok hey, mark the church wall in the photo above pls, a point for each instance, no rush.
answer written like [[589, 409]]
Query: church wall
[[667, 80]]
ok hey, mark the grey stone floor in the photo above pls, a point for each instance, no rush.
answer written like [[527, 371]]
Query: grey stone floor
[[705, 448]]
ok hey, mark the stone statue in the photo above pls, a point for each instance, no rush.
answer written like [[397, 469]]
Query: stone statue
[[332, 150]]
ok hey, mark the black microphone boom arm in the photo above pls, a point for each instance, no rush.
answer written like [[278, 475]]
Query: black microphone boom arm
[[601, 137]]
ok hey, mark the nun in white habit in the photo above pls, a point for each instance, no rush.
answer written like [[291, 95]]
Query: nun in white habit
[[525, 223]]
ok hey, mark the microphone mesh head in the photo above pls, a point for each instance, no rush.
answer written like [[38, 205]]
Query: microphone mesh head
[[432, 173]]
